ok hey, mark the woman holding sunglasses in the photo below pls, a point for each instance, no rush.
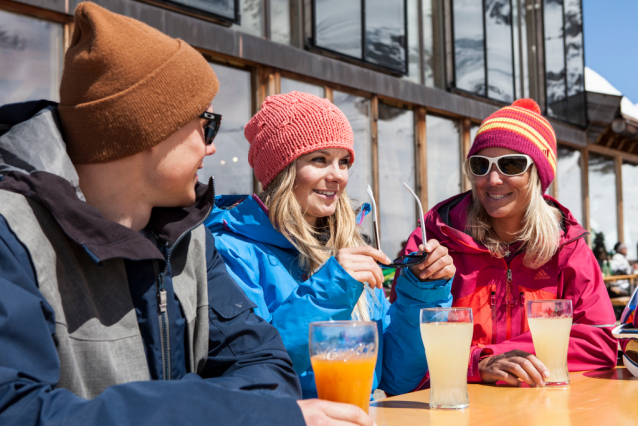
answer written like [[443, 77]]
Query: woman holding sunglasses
[[511, 244], [297, 251]]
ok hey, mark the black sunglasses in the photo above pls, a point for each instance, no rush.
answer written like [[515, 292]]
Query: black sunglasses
[[509, 165], [212, 127], [405, 261]]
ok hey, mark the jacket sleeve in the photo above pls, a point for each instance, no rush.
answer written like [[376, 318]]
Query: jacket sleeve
[[245, 351], [591, 345], [404, 363], [30, 370]]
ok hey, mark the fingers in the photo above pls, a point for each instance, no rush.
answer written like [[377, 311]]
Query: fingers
[[540, 367], [438, 265], [377, 255], [348, 413]]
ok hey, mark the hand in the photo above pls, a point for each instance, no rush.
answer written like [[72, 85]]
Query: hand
[[513, 367], [325, 413], [438, 265], [360, 263]]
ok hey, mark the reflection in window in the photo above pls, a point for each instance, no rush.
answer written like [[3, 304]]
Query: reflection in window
[[397, 208], [569, 181], [414, 47], [498, 34], [469, 43], [230, 163], [444, 159], [357, 110], [338, 27], [251, 17], [224, 9], [602, 198], [564, 64], [31, 52], [280, 21], [630, 208], [289, 85]]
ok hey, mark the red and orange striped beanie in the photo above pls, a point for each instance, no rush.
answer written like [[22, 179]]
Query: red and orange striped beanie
[[522, 128]]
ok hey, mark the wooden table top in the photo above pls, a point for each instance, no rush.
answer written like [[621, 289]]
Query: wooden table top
[[607, 397], [619, 277]]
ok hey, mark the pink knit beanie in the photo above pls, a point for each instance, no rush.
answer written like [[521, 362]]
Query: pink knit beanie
[[291, 125], [522, 128]]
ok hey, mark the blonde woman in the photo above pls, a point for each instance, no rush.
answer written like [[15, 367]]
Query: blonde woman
[[297, 251], [512, 244]]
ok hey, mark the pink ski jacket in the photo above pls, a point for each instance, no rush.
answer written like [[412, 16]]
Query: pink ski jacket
[[497, 292]]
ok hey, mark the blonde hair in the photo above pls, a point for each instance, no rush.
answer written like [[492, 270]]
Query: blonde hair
[[287, 217], [541, 225]]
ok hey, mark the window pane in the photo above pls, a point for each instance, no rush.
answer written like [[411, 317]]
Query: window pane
[[554, 58], [433, 46], [230, 163], [498, 33], [444, 158], [289, 85], [280, 21], [385, 33], [570, 190], [469, 52], [224, 8], [357, 110], [414, 53], [30, 59], [574, 62], [630, 207], [602, 198], [251, 17], [397, 208], [338, 26]]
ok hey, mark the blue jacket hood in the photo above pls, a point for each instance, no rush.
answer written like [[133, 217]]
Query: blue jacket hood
[[242, 215]]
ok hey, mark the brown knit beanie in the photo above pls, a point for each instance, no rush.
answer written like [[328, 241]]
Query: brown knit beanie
[[126, 87]]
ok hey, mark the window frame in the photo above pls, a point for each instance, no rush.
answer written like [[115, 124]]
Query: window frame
[[453, 84], [199, 13], [312, 46], [544, 70]]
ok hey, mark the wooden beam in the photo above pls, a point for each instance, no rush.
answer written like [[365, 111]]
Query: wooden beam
[[374, 139], [35, 12], [329, 93], [421, 157], [619, 199], [466, 144], [622, 144], [585, 185], [599, 149]]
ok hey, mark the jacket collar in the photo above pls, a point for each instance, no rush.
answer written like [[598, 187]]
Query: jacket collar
[[446, 221], [243, 215]]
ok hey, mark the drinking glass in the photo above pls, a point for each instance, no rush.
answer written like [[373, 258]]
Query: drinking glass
[[550, 322], [447, 337], [343, 356]]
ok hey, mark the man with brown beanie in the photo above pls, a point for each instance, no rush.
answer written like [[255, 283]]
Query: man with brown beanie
[[115, 307]]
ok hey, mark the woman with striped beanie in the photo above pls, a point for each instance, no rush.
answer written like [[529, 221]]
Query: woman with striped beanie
[[511, 244]]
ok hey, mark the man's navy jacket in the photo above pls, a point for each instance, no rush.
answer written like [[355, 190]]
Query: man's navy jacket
[[247, 377]]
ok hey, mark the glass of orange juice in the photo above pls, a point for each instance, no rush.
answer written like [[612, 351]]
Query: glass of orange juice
[[343, 356]]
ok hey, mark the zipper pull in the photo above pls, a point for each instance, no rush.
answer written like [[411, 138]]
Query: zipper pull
[[493, 298], [162, 301], [509, 275]]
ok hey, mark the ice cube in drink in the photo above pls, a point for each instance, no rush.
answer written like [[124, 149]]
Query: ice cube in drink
[[551, 341], [344, 380], [447, 349]]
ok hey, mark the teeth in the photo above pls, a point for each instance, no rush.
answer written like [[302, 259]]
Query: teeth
[[496, 196], [326, 193]]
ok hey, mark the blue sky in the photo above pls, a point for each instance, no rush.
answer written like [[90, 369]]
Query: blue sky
[[611, 42]]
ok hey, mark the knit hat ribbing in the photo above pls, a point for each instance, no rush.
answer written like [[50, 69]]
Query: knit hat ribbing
[[291, 125], [521, 127], [126, 87]]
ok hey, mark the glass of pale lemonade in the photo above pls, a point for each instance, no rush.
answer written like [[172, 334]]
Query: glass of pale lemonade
[[343, 356], [447, 337], [550, 322]]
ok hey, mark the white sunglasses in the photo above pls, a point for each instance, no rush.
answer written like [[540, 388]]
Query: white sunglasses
[[509, 165]]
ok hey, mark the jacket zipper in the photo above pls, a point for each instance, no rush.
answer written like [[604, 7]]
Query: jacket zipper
[[510, 302], [162, 303]]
